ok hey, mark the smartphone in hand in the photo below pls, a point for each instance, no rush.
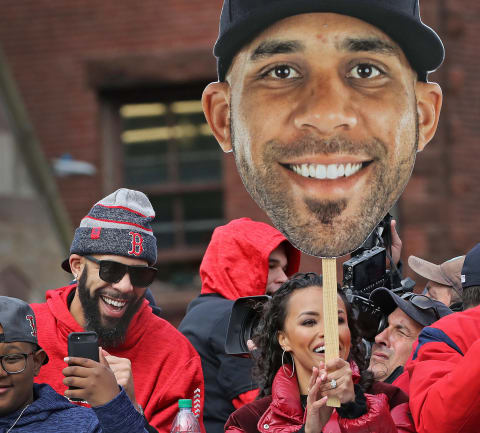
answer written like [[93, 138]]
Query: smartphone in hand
[[83, 345]]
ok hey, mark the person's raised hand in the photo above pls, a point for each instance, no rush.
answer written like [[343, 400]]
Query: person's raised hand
[[318, 413], [95, 381], [396, 243], [122, 368], [336, 380]]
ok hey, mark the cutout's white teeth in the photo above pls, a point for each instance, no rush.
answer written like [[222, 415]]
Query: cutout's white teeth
[[330, 171], [320, 349], [348, 170], [114, 303], [305, 171], [321, 172]]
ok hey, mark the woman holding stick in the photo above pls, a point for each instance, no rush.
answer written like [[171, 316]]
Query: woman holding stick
[[295, 382]]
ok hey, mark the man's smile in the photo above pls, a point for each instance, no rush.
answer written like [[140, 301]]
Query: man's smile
[[330, 181], [330, 171], [113, 307]]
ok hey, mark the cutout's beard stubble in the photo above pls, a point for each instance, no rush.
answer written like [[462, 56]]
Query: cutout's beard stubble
[[319, 229], [326, 211], [114, 333]]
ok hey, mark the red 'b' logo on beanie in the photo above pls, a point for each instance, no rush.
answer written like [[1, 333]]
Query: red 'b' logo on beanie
[[137, 242]]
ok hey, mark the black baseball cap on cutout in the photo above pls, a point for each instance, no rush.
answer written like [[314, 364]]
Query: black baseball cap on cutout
[[242, 20], [18, 322], [388, 301]]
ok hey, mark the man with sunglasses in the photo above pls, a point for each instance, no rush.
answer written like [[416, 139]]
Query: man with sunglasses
[[112, 257], [445, 369], [406, 317], [29, 407]]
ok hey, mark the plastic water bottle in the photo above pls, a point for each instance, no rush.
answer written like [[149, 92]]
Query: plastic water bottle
[[185, 421]]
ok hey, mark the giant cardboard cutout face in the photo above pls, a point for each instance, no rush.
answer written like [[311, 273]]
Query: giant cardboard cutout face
[[324, 116]]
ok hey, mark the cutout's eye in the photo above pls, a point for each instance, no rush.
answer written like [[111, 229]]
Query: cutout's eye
[[365, 71], [282, 72]]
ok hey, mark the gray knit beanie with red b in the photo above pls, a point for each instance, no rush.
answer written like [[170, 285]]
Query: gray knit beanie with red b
[[118, 225]]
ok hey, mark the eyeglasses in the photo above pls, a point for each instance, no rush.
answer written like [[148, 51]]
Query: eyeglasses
[[421, 301], [15, 362], [112, 272]]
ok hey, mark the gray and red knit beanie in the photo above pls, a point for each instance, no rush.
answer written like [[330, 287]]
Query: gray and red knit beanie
[[118, 225]]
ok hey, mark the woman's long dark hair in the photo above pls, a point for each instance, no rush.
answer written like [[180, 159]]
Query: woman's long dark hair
[[268, 358]]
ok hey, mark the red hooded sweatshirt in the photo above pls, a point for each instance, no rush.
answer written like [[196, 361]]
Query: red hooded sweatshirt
[[236, 261]]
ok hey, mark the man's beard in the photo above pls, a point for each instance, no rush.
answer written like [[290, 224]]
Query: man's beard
[[113, 333], [324, 232]]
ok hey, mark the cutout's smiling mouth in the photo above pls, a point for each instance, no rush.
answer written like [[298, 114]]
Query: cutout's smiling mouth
[[330, 171]]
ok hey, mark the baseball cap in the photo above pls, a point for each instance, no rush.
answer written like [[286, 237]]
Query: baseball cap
[[18, 322], [243, 20], [471, 268], [119, 224], [447, 273], [420, 308]]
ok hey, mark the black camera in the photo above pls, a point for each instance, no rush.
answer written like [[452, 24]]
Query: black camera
[[361, 275], [365, 272], [244, 319]]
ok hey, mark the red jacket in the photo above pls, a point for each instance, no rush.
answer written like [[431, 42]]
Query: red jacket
[[282, 411], [445, 375], [165, 366]]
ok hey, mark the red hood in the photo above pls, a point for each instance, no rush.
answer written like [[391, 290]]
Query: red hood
[[236, 261]]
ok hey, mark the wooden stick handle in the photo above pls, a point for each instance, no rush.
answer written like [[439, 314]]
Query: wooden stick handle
[[330, 315]]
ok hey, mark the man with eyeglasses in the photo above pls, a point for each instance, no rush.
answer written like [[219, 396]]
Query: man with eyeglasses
[[30, 408], [406, 317], [112, 257], [445, 369]]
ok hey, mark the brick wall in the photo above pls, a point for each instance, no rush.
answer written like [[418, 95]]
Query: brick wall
[[439, 207], [61, 53], [51, 46]]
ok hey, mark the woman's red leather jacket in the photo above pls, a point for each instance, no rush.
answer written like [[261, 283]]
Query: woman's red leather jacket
[[283, 412]]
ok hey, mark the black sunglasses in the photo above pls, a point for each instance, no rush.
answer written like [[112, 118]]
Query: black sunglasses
[[421, 301], [112, 272]]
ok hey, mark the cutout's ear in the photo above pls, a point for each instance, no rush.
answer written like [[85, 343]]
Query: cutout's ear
[[216, 106], [429, 104], [38, 358], [283, 341]]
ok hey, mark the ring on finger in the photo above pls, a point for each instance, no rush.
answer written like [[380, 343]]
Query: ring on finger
[[333, 383]]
